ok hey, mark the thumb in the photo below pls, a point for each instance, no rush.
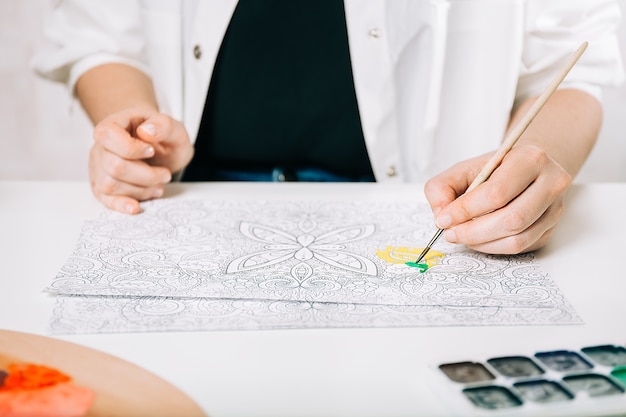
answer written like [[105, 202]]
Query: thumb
[[147, 131], [161, 128]]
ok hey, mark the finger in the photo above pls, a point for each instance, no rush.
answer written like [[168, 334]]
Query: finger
[[497, 233], [531, 240], [131, 118], [509, 245], [445, 187], [135, 172], [123, 204], [157, 128], [110, 186], [160, 129], [104, 184], [439, 194], [118, 140], [517, 171], [516, 206], [169, 138]]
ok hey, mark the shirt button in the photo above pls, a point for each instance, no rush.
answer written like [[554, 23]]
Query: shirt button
[[391, 171], [197, 51], [374, 33]]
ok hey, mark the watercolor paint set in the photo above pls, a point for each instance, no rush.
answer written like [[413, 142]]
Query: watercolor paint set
[[583, 382]]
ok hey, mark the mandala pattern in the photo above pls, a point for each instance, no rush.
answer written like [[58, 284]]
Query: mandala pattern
[[280, 246], [201, 261], [84, 314]]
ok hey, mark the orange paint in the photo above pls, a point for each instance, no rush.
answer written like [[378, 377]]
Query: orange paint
[[36, 390], [31, 376]]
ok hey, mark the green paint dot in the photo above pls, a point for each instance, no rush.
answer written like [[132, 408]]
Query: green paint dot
[[421, 267], [620, 373]]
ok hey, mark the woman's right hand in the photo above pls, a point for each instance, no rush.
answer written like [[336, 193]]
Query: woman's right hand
[[135, 152]]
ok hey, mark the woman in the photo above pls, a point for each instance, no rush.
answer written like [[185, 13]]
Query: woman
[[418, 90]]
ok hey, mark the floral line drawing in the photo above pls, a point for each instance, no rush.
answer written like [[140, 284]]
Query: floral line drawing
[[329, 248]]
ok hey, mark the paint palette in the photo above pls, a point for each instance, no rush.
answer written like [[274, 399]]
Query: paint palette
[[42, 376], [549, 383]]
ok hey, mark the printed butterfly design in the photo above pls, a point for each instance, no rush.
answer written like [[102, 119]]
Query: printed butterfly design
[[328, 248]]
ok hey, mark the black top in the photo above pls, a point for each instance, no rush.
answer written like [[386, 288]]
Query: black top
[[282, 93]]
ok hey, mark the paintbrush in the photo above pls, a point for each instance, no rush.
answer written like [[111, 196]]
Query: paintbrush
[[513, 135]]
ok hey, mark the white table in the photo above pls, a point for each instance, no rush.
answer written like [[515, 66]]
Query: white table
[[328, 372]]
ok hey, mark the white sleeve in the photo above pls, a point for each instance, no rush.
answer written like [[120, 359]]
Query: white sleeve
[[82, 34], [554, 29]]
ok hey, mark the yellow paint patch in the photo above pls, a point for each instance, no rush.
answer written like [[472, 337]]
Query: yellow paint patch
[[402, 254]]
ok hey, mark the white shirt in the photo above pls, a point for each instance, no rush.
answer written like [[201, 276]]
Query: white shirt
[[435, 80]]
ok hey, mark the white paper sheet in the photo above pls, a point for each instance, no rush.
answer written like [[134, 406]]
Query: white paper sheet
[[208, 265], [290, 250], [109, 314]]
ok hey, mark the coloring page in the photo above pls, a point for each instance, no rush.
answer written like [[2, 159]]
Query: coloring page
[[109, 314], [347, 252]]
